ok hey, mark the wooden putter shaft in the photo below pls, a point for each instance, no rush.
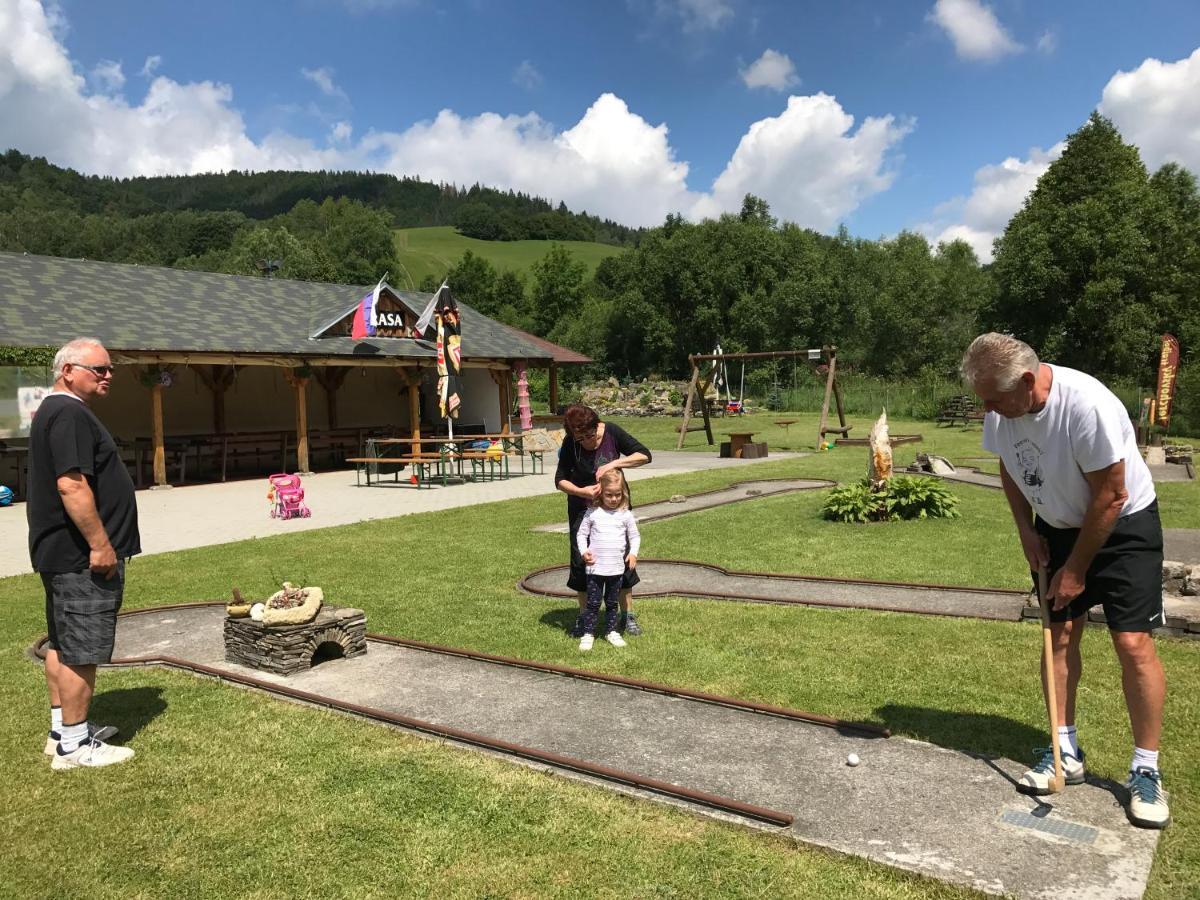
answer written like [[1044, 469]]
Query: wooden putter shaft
[[1051, 688]]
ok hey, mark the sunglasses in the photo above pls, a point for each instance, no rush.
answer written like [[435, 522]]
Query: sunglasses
[[98, 371]]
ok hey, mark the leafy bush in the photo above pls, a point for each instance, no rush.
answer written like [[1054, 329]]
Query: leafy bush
[[904, 497], [852, 503]]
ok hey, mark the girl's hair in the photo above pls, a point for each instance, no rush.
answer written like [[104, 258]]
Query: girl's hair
[[610, 479]]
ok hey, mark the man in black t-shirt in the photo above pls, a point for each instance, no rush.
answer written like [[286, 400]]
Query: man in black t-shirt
[[82, 528]]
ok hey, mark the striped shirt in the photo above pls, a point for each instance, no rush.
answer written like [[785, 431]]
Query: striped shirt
[[607, 532]]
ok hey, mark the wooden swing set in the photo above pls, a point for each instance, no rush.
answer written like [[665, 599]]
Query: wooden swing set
[[697, 389]]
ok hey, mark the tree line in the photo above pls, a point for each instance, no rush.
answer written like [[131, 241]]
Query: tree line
[[483, 212]]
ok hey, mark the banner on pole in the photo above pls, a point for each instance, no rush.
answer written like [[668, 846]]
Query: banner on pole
[[1168, 369]]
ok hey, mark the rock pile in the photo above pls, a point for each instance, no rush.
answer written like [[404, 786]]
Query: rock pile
[[638, 398]]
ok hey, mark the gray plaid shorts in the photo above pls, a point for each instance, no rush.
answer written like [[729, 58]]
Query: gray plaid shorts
[[81, 614]]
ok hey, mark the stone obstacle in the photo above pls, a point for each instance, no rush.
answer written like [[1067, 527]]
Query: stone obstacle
[[287, 649]]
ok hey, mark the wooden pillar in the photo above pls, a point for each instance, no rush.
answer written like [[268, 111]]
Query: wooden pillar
[[299, 383], [160, 452], [151, 376], [411, 376], [218, 379], [330, 378], [553, 388], [414, 410], [502, 378], [831, 356]]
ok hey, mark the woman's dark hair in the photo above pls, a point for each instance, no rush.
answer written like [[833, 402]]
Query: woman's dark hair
[[580, 418]]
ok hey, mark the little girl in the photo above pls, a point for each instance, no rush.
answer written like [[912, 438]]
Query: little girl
[[608, 532]]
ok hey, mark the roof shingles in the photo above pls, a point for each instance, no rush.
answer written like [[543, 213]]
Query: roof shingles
[[46, 300]]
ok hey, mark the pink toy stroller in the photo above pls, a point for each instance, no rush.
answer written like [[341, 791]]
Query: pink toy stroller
[[286, 495]]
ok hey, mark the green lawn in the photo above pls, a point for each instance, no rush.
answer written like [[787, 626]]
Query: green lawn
[[238, 794], [433, 251]]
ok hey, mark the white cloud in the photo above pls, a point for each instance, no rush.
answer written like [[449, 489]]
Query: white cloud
[[1000, 191], [1048, 42], [973, 27], [323, 79], [150, 65], [108, 77], [527, 76], [772, 70], [1157, 107], [807, 164]]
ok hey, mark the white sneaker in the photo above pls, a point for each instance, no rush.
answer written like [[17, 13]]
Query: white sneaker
[[1147, 800], [91, 755], [585, 642], [1039, 780], [103, 733], [615, 639]]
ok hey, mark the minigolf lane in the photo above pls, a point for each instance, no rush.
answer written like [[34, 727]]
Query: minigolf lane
[[908, 804], [681, 578], [740, 492]]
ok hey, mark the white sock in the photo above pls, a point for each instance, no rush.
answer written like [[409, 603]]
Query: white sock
[[1147, 758], [56, 718], [1068, 740], [72, 736]]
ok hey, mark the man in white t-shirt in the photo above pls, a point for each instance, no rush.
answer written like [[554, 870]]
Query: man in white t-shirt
[[1085, 509]]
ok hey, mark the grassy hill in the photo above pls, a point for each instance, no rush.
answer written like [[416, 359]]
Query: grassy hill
[[432, 251]]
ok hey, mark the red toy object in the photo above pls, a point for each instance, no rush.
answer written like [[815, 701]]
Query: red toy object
[[287, 497]]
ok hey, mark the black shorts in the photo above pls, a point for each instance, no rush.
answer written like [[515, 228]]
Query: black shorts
[[1125, 577], [81, 614], [577, 580]]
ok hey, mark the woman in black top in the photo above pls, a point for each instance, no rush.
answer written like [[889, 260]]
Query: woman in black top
[[590, 449]]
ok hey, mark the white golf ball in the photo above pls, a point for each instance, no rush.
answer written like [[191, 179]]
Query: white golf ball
[[852, 759]]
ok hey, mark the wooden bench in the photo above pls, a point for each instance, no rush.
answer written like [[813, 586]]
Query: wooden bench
[[426, 467], [962, 408]]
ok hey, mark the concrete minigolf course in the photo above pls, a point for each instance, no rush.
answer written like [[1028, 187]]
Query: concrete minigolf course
[[735, 493], [909, 804], [681, 578]]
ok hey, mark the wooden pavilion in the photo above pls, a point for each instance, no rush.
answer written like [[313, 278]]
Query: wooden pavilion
[[206, 359]]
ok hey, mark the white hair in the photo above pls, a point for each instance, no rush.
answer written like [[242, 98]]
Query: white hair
[[73, 352], [1000, 358]]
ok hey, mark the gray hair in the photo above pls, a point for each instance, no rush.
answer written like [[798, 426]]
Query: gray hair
[[73, 352], [1000, 357]]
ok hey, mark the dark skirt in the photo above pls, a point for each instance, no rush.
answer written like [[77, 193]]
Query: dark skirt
[[577, 580]]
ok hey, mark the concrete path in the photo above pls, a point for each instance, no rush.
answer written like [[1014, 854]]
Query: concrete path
[[735, 493], [205, 514], [912, 805]]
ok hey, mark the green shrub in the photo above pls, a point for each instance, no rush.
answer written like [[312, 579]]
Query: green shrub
[[852, 503], [904, 497]]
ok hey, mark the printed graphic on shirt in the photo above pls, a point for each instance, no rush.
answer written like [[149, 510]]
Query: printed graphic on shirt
[[1029, 456]]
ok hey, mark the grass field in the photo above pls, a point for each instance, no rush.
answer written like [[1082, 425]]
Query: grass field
[[234, 794], [433, 251]]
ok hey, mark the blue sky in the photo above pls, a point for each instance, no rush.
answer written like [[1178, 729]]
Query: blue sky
[[935, 115]]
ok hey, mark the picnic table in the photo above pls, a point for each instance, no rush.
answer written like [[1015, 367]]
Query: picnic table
[[964, 408], [738, 441], [446, 459]]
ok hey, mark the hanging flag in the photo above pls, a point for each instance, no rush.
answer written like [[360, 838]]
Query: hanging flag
[[366, 317], [427, 313], [1168, 368], [449, 354]]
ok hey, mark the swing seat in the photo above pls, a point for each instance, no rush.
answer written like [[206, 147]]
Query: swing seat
[[734, 406]]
